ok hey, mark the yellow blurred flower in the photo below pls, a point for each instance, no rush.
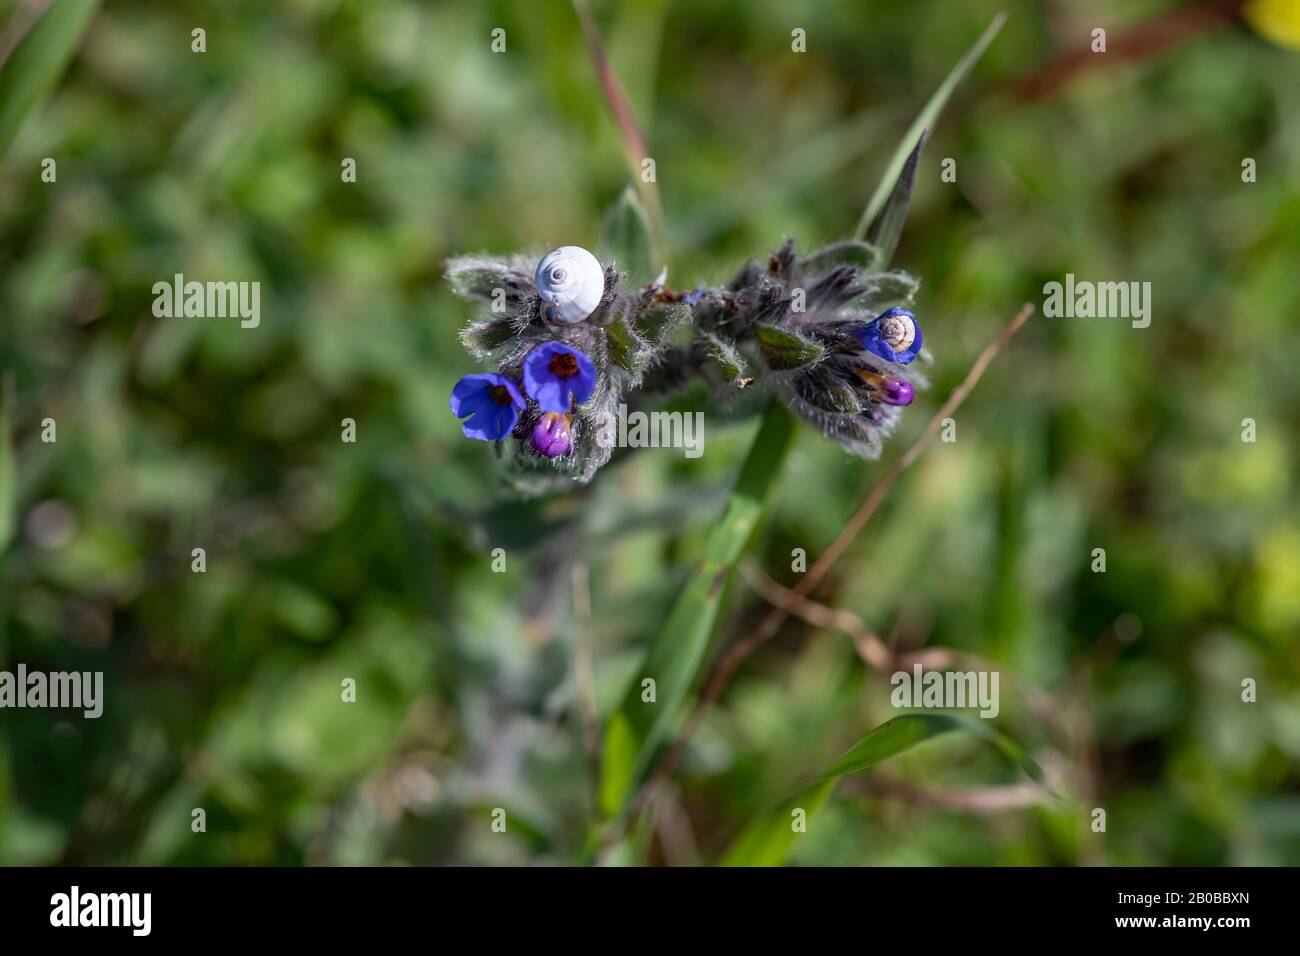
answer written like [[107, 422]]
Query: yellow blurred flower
[[1278, 20], [1274, 598]]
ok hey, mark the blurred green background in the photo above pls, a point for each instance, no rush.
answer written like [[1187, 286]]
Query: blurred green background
[[372, 560]]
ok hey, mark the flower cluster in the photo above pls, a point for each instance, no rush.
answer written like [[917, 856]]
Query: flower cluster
[[829, 333], [569, 367], [556, 377]]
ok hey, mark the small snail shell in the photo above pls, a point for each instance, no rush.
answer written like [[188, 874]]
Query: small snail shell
[[898, 329], [571, 283]]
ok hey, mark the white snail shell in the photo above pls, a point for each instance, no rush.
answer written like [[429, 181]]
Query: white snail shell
[[899, 331], [570, 282]]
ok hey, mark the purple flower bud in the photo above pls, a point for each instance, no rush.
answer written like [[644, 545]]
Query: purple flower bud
[[890, 389], [896, 390], [552, 435]]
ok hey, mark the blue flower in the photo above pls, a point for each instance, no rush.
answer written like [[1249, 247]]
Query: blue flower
[[490, 405], [893, 336], [555, 375]]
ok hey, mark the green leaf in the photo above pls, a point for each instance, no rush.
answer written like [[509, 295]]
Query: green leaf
[[924, 121], [624, 349], [8, 478], [786, 349], [659, 321], [480, 277], [767, 839], [674, 657], [726, 356], [480, 338], [850, 252], [38, 60], [626, 239], [630, 345], [830, 394], [887, 288]]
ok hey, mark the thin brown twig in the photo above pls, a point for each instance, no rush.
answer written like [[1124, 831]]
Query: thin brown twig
[[977, 801], [673, 825], [634, 141], [874, 652], [1147, 39], [870, 647], [741, 650], [1039, 702]]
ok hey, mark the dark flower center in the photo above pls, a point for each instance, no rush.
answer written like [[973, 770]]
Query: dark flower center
[[564, 364], [500, 394]]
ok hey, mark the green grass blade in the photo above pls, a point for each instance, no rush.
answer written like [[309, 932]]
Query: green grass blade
[[767, 839], [924, 121], [618, 763], [890, 739], [37, 61], [674, 657], [8, 476], [888, 226]]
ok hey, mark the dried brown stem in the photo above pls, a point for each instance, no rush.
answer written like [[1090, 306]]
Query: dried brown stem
[[870, 647], [977, 801], [673, 825], [873, 651], [1146, 39], [634, 141]]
